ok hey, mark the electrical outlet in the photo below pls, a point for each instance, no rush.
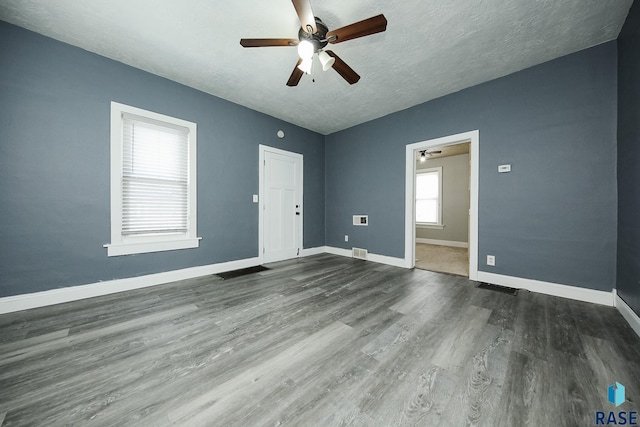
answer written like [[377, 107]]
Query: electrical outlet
[[491, 260], [346, 237]]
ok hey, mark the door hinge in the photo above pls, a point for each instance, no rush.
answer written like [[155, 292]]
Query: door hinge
[[263, 250], [298, 254]]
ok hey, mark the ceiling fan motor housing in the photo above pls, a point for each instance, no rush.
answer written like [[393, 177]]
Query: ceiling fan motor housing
[[312, 39], [318, 39]]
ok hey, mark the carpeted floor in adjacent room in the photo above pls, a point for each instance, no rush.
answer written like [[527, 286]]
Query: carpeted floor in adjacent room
[[443, 259]]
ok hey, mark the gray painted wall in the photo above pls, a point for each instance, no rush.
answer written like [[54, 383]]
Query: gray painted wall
[[628, 278], [455, 199], [550, 219], [54, 166], [553, 218]]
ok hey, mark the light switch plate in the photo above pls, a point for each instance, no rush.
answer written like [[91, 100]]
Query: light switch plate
[[504, 168], [255, 198]]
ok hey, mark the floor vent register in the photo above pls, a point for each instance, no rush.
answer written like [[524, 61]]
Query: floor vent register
[[242, 272], [498, 288]]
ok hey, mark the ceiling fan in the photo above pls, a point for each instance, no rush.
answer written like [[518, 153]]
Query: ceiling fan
[[424, 154], [314, 36]]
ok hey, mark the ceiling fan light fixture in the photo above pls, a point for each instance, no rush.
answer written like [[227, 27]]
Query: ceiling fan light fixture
[[326, 60], [305, 65], [314, 36], [306, 49], [423, 156]]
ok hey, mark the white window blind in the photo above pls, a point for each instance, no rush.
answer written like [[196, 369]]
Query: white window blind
[[153, 182], [155, 177]]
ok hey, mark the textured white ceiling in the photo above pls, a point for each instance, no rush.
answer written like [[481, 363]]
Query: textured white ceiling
[[430, 49]]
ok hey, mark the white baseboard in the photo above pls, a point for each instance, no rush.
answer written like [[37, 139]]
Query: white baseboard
[[338, 251], [388, 260], [73, 293], [313, 251], [381, 259], [629, 315], [555, 289], [442, 242]]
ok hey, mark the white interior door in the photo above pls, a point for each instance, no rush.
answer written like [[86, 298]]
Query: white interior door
[[281, 196]]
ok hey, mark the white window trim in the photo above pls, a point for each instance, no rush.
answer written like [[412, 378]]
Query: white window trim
[[438, 224], [126, 245]]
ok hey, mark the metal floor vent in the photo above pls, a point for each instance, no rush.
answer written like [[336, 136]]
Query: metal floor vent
[[242, 272], [498, 288], [359, 253]]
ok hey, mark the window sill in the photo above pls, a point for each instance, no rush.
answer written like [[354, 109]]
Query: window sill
[[431, 226], [146, 247]]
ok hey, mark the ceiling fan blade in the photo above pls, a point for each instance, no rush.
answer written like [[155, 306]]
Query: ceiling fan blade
[[305, 14], [268, 42], [374, 25], [296, 75], [343, 69]]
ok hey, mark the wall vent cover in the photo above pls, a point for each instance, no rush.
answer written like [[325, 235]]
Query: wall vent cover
[[361, 220], [359, 253]]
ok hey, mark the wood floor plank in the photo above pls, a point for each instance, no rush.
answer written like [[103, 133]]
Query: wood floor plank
[[317, 341], [314, 396], [522, 396], [415, 299], [604, 323], [562, 328], [610, 367], [38, 339], [241, 347], [394, 383], [504, 307], [573, 380], [347, 375], [533, 333], [211, 405], [66, 340], [53, 384], [475, 401], [454, 351], [332, 389]]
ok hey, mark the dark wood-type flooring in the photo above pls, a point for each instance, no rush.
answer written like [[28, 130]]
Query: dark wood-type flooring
[[318, 341]]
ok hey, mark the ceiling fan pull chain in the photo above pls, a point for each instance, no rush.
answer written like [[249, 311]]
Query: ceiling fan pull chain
[[313, 74]]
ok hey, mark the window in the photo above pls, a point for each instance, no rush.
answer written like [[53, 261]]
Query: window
[[429, 197], [153, 182]]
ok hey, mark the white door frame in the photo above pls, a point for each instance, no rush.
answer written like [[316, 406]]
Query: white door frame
[[261, 169], [410, 221]]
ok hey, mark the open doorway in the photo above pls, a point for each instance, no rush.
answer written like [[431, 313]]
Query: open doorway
[[442, 189], [413, 152]]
